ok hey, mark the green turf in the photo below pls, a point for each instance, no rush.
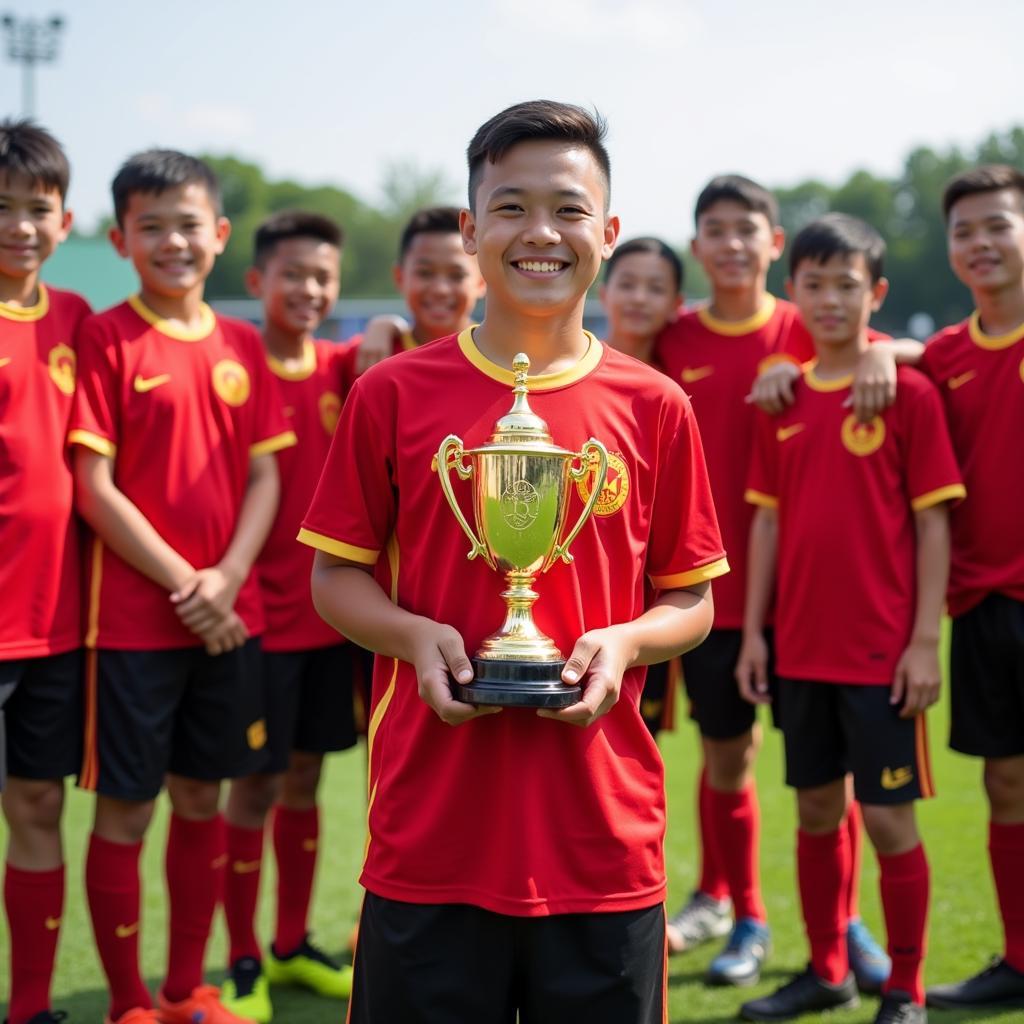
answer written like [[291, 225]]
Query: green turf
[[964, 926]]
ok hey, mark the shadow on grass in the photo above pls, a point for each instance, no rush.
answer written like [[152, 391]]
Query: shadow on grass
[[696, 977]]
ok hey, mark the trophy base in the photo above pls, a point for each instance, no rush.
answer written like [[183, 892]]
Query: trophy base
[[518, 684]]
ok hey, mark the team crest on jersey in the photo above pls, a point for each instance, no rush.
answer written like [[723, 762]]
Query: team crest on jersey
[[616, 486], [231, 382], [62, 368], [862, 438], [330, 409]]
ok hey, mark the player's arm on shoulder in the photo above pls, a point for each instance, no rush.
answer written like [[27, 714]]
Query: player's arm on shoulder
[[379, 340], [676, 622], [917, 681], [348, 597], [752, 664], [874, 379], [772, 390]]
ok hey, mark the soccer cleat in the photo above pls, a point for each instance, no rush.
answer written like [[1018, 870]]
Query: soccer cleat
[[310, 968], [135, 1016], [203, 1006], [806, 993], [868, 961], [701, 919], [999, 986], [246, 991], [740, 962], [899, 1008]]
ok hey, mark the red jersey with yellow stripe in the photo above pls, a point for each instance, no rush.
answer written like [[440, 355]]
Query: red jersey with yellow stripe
[[480, 814], [181, 413], [981, 379], [40, 612], [312, 397], [716, 362], [846, 494]]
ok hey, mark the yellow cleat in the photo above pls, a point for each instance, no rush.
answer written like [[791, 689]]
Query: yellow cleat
[[311, 968]]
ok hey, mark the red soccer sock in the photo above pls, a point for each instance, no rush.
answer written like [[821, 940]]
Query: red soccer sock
[[736, 822], [855, 830], [242, 889], [296, 835], [823, 864], [34, 901], [713, 880], [195, 880], [904, 883], [1006, 851], [112, 887]]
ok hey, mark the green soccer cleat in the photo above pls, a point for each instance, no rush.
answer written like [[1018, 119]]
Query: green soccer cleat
[[246, 991], [309, 967]]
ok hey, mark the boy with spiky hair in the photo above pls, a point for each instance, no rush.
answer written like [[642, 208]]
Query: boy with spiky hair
[[492, 888], [978, 366], [175, 425], [40, 623], [856, 631]]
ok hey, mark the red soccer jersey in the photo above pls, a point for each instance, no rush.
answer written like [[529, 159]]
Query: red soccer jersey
[[716, 362], [40, 610], [846, 495], [181, 413], [981, 380], [312, 398], [514, 813]]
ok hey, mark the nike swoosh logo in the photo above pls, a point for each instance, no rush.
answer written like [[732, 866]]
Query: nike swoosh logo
[[144, 384], [52, 924], [785, 433], [691, 374], [961, 379], [126, 931], [896, 779], [245, 867], [5, 360]]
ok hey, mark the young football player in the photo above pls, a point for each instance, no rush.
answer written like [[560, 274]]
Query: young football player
[[515, 861], [852, 519], [40, 622], [175, 425]]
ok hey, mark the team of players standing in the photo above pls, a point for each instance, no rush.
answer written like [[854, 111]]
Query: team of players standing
[[195, 450]]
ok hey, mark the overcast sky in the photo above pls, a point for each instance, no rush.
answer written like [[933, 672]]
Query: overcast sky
[[335, 91]]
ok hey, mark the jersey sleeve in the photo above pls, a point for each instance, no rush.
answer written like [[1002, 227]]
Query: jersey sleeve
[[685, 545], [354, 508], [95, 415], [933, 476], [762, 475]]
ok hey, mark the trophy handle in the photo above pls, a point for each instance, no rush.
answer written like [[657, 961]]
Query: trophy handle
[[591, 447], [451, 448]]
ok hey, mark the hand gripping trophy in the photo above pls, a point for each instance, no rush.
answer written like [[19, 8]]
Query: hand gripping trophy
[[520, 501]]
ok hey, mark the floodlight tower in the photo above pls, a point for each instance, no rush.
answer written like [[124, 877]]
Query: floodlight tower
[[31, 41]]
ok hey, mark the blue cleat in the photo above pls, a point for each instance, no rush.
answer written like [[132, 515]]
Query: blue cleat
[[868, 960], [740, 962]]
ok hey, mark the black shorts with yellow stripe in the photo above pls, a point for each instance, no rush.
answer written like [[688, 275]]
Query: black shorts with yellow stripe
[[831, 729], [182, 711]]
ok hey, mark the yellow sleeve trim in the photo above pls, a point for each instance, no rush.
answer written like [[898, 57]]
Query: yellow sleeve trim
[[775, 359], [365, 556], [87, 439], [753, 497], [688, 579], [951, 492], [273, 444]]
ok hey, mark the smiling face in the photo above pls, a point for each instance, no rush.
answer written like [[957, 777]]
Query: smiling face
[[640, 296], [33, 222], [172, 238], [986, 241], [539, 227], [736, 245], [298, 284]]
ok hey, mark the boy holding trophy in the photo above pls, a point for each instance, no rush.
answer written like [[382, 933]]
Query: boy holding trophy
[[515, 865]]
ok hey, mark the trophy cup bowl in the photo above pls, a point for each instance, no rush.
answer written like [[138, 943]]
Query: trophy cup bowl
[[520, 504]]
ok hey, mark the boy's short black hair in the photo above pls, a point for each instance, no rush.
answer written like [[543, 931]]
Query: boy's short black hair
[[537, 121], [286, 224], [432, 220], [987, 178], [651, 245], [734, 188], [838, 234], [155, 171], [31, 152]]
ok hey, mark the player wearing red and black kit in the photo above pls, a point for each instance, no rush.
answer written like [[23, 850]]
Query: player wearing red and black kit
[[40, 614], [477, 836], [845, 491]]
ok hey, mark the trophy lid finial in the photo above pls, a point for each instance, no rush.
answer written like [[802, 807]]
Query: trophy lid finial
[[521, 423]]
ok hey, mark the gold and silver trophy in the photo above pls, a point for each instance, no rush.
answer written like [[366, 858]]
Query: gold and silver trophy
[[521, 487]]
